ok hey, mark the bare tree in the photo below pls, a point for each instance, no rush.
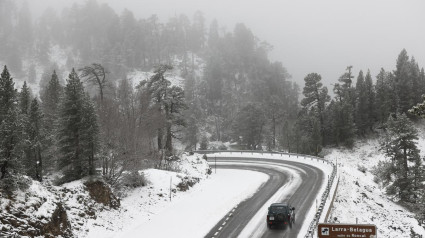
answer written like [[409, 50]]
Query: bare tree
[[95, 74]]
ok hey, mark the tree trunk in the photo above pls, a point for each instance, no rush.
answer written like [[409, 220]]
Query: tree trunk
[[160, 138], [39, 165], [168, 142], [406, 168], [274, 131], [217, 127], [91, 164], [3, 169]]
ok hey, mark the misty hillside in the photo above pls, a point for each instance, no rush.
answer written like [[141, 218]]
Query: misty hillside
[[90, 94]]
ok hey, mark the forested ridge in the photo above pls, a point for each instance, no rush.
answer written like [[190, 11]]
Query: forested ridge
[[95, 121]]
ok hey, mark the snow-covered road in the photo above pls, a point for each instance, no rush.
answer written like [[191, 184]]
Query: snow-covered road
[[241, 187], [291, 182]]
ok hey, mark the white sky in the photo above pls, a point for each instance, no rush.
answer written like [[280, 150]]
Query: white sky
[[308, 35]]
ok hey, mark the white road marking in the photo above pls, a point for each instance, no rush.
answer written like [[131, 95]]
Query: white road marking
[[224, 223], [227, 218], [216, 233], [220, 228]]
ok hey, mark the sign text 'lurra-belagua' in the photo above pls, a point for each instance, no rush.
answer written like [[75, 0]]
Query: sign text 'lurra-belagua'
[[329, 230]]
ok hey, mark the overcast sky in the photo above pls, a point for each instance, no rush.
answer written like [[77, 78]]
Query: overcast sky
[[322, 36]]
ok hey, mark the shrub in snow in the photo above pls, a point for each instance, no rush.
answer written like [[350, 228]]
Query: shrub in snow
[[383, 172], [133, 179], [222, 147], [204, 143], [186, 183], [11, 183], [362, 168]]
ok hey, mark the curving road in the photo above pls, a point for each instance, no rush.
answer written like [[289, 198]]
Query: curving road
[[294, 183]]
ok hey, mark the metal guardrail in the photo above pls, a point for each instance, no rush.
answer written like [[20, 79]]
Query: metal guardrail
[[315, 221]]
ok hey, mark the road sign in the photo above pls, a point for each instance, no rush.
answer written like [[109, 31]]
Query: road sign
[[330, 230]]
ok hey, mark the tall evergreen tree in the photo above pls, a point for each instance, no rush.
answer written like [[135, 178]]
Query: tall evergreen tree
[[249, 126], [386, 96], [24, 106], [24, 99], [361, 105], [7, 93], [36, 139], [51, 97], [370, 99], [75, 131], [316, 97], [10, 133], [403, 82], [170, 103], [400, 147], [90, 134]]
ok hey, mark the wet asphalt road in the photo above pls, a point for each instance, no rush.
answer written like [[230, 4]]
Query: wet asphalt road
[[303, 197]]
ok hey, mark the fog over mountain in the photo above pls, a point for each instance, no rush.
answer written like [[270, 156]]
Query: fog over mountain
[[307, 36]]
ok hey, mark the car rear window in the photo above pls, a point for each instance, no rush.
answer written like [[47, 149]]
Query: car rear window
[[279, 209]]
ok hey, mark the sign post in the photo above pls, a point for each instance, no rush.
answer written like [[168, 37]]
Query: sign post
[[330, 230]]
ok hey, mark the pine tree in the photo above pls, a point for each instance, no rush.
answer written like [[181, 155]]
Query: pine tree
[[77, 129], [361, 105], [370, 98], [10, 133], [400, 146], [24, 105], [50, 97], [170, 103], [90, 134], [248, 127], [36, 139], [403, 82], [414, 78], [386, 96], [316, 97], [7, 93], [344, 124]]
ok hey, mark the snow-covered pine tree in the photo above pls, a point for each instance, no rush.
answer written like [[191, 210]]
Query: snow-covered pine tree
[[361, 105], [400, 146], [316, 97], [10, 133], [76, 123], [7, 93], [90, 134], [36, 138], [385, 96], [370, 97], [24, 107], [50, 97], [403, 82], [24, 99], [248, 128]]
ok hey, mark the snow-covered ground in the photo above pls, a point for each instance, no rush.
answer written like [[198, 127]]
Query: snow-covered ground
[[360, 199], [150, 212]]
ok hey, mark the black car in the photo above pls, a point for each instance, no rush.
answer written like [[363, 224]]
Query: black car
[[280, 214]]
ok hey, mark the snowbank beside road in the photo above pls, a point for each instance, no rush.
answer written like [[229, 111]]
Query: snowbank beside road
[[190, 214]]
